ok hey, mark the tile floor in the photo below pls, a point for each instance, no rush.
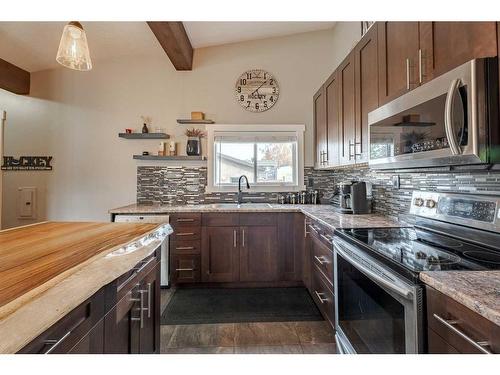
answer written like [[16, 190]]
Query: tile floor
[[246, 338]]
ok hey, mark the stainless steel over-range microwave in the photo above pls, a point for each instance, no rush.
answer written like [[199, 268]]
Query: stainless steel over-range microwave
[[451, 120]]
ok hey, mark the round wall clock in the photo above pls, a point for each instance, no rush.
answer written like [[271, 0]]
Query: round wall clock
[[257, 90]]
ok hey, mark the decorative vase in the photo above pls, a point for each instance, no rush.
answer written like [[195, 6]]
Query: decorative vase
[[193, 146], [145, 129]]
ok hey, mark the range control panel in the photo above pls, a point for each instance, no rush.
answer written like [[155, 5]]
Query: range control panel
[[472, 210]]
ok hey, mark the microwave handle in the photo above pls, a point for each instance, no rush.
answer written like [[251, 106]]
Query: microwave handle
[[448, 117]]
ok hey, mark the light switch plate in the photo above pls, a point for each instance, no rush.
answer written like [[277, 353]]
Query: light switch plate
[[26, 203], [396, 182]]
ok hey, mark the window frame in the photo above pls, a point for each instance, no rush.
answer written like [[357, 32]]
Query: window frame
[[212, 130]]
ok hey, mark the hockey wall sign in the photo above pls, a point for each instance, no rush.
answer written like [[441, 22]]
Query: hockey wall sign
[[27, 163]]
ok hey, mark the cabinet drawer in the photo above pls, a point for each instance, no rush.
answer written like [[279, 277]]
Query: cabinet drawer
[[185, 220], [220, 220], [323, 296], [459, 326], [185, 268], [249, 219], [70, 330], [438, 346], [185, 247], [186, 233], [321, 233], [322, 257]]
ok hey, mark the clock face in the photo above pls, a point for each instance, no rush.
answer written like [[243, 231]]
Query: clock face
[[257, 90]]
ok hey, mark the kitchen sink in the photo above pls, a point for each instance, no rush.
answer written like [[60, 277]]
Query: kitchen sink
[[243, 205]]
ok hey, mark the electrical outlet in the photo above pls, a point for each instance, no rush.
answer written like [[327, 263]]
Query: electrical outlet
[[395, 182]]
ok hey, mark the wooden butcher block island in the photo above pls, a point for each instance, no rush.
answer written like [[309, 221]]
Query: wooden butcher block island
[[73, 287]]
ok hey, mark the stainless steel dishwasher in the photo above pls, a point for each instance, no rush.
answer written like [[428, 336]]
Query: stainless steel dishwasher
[[154, 219]]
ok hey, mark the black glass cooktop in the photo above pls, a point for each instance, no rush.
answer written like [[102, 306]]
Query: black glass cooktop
[[420, 250]]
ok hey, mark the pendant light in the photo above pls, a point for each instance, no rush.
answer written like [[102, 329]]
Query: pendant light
[[73, 49]]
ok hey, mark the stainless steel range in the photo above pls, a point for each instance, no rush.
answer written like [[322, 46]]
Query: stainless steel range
[[378, 296]]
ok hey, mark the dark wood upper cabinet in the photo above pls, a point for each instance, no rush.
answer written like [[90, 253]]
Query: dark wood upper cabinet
[[366, 77], [320, 128], [258, 253], [398, 44], [446, 45], [331, 90], [220, 254], [347, 110]]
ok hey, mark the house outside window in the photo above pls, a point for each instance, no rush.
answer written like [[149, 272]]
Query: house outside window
[[271, 156]]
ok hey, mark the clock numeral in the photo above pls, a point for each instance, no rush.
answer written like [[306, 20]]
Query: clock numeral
[[265, 75], [271, 81], [271, 99], [243, 81], [239, 89], [248, 103], [256, 105], [265, 103], [242, 98], [274, 90], [249, 75]]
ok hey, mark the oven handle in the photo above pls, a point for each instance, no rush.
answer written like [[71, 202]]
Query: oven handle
[[339, 346], [404, 292], [448, 117]]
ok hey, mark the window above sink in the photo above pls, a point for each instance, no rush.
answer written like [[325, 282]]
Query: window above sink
[[271, 156]]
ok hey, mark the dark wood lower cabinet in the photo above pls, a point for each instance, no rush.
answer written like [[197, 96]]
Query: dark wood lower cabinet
[[220, 258], [258, 253], [122, 317]]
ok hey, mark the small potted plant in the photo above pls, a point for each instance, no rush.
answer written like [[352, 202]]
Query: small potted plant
[[193, 146]]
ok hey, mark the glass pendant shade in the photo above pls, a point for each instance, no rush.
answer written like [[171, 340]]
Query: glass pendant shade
[[73, 49]]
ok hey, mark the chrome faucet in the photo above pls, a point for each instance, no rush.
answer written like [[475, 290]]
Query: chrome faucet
[[240, 194]]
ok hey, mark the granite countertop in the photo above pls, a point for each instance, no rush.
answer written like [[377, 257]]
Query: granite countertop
[[477, 290], [325, 214], [67, 263]]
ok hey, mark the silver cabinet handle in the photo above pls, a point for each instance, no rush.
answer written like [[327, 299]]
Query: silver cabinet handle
[[185, 234], [55, 343], [185, 220], [327, 239], [149, 300], [234, 238], [143, 265], [321, 299], [338, 345], [321, 260], [420, 73], [243, 237], [313, 228], [141, 309], [450, 324], [184, 248], [326, 157], [184, 269], [448, 117], [407, 74], [305, 228]]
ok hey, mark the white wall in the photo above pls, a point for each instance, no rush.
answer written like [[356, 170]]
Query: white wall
[[94, 169]]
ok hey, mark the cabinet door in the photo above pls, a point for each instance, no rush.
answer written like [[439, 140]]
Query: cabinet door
[[290, 246], [320, 127], [122, 325], [185, 268], [366, 77], [446, 45], [92, 342], [332, 120], [398, 44], [347, 110], [220, 254], [150, 328], [258, 253]]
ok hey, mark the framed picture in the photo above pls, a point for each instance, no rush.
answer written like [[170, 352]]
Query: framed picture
[[365, 25]]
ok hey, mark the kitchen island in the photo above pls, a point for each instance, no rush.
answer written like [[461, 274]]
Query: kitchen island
[[51, 270]]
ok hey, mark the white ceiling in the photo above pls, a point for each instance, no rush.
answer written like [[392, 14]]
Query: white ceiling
[[33, 45], [204, 34]]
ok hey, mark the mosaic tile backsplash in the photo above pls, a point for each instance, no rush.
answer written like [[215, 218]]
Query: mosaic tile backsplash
[[186, 185]]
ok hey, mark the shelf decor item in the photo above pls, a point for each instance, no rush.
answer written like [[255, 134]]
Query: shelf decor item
[[146, 120], [197, 116], [193, 146]]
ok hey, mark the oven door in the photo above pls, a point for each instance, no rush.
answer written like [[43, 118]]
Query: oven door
[[375, 311], [440, 123]]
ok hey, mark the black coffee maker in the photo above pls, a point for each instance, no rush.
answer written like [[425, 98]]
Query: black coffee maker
[[353, 197]]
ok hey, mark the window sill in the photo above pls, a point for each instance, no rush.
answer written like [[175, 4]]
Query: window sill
[[255, 189]]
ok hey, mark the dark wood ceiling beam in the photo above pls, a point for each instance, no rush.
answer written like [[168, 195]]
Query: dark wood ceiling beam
[[14, 79], [174, 40]]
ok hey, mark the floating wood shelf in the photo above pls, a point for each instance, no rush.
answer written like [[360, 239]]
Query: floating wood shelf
[[169, 158], [144, 135], [194, 122]]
